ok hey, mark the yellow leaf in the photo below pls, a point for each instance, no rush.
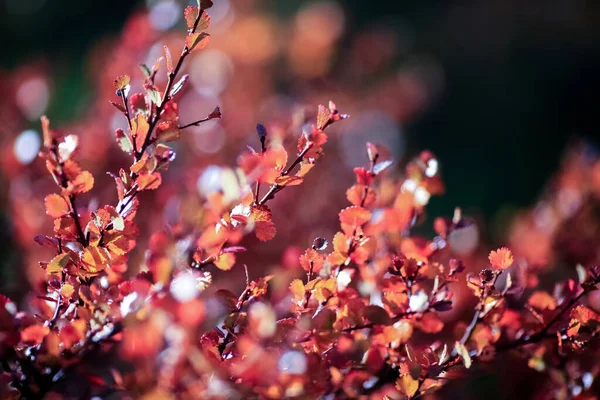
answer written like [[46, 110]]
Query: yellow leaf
[[57, 264], [407, 385]]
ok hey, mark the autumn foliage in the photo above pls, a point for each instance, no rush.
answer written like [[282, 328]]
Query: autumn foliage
[[374, 311]]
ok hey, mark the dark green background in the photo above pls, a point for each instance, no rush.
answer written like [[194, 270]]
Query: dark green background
[[521, 80]]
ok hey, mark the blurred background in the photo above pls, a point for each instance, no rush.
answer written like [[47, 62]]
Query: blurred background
[[496, 89], [499, 90], [514, 82]]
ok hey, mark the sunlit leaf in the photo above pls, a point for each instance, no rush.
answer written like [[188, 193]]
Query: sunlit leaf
[[288, 180], [501, 258], [34, 334], [139, 130], [169, 59], [56, 205], [179, 85], [190, 14], [168, 131], [197, 41], [542, 301], [58, 263], [121, 82], [264, 227], [123, 141], [407, 385], [462, 351]]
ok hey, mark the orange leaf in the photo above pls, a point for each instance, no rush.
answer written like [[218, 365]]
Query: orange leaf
[[190, 13], [542, 301], [225, 261], [139, 130], [149, 182], [309, 257], [501, 258], [34, 334], [584, 314], [354, 216], [430, 323], [56, 205], [276, 155], [288, 180], [305, 167], [65, 227], [264, 227], [83, 183], [95, 259], [356, 194]]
